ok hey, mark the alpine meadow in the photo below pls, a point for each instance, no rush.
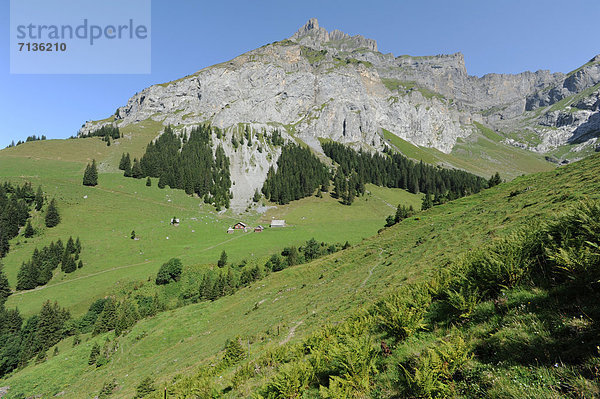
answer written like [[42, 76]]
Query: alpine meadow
[[311, 219]]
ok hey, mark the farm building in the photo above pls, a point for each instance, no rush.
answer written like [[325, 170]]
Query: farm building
[[175, 222], [277, 223], [230, 230], [240, 226], [258, 229]]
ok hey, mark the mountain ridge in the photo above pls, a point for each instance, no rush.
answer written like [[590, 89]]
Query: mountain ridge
[[330, 85]]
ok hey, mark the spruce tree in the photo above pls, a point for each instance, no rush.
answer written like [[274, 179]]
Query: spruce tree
[[5, 290], [427, 202], [94, 353], [148, 182], [52, 215], [39, 199], [223, 259], [145, 388], [28, 233]]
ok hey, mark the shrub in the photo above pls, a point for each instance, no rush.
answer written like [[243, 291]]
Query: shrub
[[402, 313], [573, 245], [290, 382], [145, 387], [170, 271], [430, 374]]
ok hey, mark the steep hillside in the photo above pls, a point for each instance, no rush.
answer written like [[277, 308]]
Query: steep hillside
[[289, 305], [104, 216]]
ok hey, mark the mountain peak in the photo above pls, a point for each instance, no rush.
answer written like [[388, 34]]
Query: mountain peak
[[312, 35]]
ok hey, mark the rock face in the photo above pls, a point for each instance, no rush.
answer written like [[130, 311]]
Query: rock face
[[321, 84]]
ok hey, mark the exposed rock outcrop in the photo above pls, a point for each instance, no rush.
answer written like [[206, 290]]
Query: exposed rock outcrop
[[321, 84]]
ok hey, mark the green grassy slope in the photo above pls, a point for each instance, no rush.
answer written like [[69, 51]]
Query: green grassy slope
[[104, 216], [481, 153], [298, 300]]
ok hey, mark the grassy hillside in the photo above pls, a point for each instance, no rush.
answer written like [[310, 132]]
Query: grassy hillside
[[481, 153], [104, 216], [289, 305]]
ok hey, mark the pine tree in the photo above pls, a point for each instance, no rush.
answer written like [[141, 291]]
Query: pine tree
[[427, 202], [136, 170], [145, 388], [133, 234], [39, 199], [28, 233], [107, 319], [80, 264], [69, 265], [50, 325], [90, 176], [222, 260], [52, 215], [94, 354], [148, 182], [5, 290], [494, 180]]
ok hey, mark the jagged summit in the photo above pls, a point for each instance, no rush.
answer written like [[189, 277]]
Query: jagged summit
[[312, 35]]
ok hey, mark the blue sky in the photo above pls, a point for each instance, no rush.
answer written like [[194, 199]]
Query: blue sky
[[495, 36]]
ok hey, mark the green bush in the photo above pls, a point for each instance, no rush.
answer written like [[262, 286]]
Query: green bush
[[402, 313], [170, 271], [430, 375], [573, 246], [290, 382]]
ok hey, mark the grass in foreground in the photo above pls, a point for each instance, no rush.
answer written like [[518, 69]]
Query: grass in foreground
[[290, 305]]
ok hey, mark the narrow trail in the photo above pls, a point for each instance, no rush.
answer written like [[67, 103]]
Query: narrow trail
[[384, 201], [372, 269], [291, 333]]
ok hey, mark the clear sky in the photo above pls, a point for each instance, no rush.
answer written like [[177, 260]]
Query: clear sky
[[501, 36]]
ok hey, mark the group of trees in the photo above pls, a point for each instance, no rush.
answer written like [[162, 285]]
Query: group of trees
[[16, 203], [402, 212], [395, 170], [90, 176], [299, 173], [39, 269], [21, 341], [347, 187], [185, 163], [27, 140], [228, 278], [107, 132]]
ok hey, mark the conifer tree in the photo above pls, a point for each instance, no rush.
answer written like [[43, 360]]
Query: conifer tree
[[5, 290], [494, 180], [427, 202], [90, 176], [148, 182], [39, 199], [223, 259], [94, 353], [107, 319], [28, 233], [52, 215]]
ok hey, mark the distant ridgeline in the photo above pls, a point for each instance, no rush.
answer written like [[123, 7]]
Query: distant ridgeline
[[27, 140], [15, 204], [395, 170], [186, 164]]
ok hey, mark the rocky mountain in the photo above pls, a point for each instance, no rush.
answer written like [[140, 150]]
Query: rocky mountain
[[330, 85]]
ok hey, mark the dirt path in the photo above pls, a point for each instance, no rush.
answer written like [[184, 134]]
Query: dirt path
[[372, 269], [291, 333]]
